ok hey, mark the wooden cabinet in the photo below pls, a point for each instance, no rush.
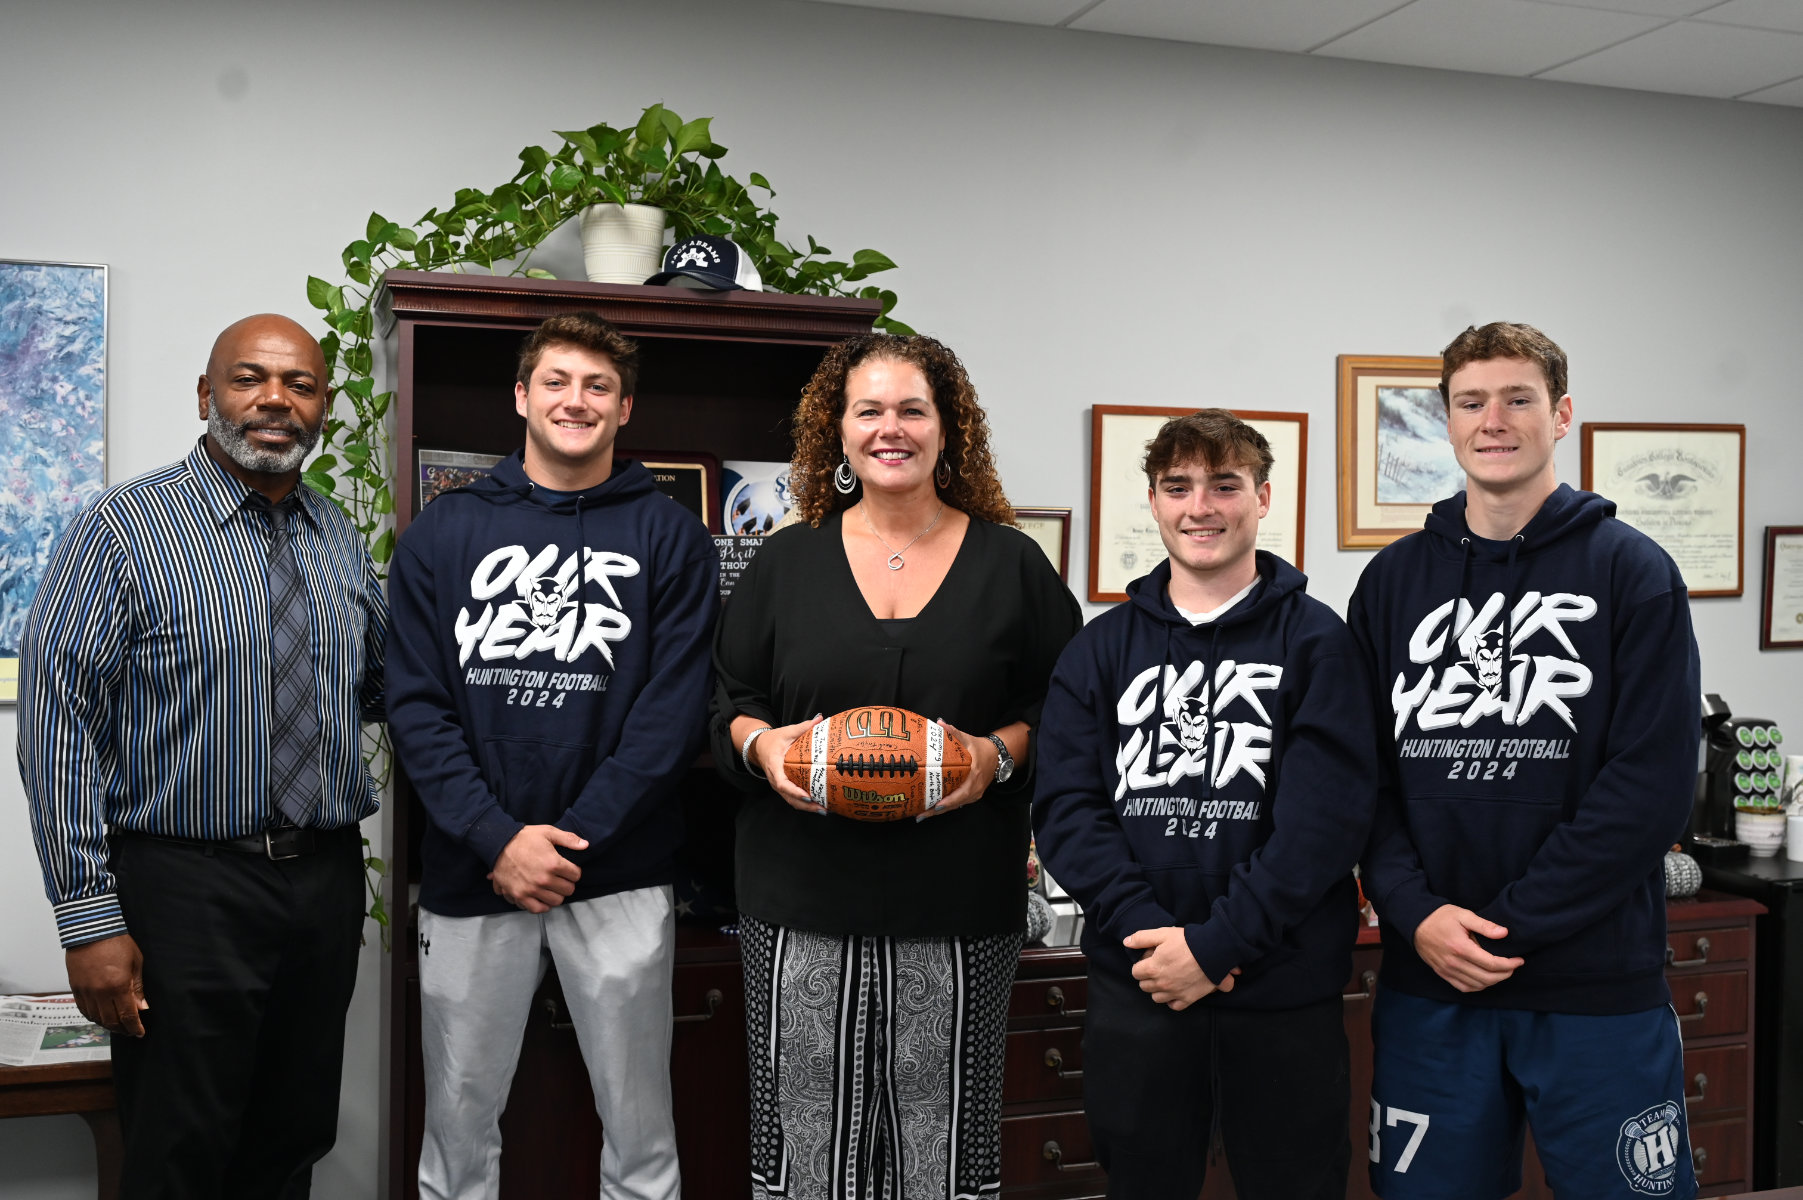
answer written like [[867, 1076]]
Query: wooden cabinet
[[720, 373]]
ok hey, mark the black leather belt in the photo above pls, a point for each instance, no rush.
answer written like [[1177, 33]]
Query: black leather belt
[[274, 844]]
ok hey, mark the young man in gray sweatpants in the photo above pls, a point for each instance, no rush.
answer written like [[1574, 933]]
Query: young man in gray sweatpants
[[548, 688]]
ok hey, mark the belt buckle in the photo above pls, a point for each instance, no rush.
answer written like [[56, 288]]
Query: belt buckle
[[269, 846]]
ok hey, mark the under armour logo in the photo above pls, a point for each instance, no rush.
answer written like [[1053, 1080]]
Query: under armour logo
[[425, 944]]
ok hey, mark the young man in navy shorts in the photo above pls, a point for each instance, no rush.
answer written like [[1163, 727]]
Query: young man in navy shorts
[[1535, 662]]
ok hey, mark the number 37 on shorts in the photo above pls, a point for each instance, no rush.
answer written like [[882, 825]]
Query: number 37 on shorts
[[1397, 1131]]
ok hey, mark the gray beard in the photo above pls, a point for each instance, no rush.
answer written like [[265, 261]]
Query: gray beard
[[235, 441]]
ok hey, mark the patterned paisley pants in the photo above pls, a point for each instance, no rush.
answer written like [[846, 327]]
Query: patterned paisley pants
[[876, 1063]]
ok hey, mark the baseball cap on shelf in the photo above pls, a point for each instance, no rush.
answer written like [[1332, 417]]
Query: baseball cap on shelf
[[705, 261]]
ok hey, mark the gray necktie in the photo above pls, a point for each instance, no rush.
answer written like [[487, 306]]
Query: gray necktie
[[293, 720]]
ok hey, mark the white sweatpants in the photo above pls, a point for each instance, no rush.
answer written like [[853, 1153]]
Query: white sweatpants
[[477, 975]]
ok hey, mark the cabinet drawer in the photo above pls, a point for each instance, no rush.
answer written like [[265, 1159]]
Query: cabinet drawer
[[1710, 1002], [1718, 1151], [1043, 1064], [1048, 1148], [1066, 997], [1686, 948], [1715, 1082]]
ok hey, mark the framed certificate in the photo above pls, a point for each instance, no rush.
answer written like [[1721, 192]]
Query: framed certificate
[[1684, 486], [1781, 616], [1123, 538], [1051, 528], [1395, 459], [690, 479]]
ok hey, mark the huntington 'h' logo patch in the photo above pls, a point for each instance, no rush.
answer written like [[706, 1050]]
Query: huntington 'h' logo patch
[[1649, 1148]]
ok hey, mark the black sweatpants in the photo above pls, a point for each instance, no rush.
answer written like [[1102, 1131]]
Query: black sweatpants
[[1155, 1082], [232, 1093]]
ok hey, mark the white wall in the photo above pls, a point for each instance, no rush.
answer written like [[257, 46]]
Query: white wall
[[1087, 219]]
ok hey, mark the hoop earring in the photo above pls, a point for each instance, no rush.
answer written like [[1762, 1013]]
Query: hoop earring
[[943, 475], [845, 481]]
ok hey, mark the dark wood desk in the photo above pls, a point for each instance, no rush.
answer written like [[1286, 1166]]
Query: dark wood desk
[[83, 1089]]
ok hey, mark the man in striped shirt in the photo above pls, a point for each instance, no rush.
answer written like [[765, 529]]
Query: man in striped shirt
[[194, 676]]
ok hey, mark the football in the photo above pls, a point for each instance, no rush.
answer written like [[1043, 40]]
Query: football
[[877, 763]]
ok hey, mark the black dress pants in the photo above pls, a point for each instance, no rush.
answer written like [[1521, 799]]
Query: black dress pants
[[1155, 1082], [248, 969]]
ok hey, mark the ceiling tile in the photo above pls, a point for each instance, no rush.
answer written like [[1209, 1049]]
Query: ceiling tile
[[1785, 93], [1266, 25], [1758, 14], [1498, 37], [1693, 59], [1022, 12], [1651, 8]]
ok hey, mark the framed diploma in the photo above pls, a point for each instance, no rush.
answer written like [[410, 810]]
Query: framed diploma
[[1123, 538], [1051, 528], [1395, 459], [690, 479], [1781, 616], [1684, 486]]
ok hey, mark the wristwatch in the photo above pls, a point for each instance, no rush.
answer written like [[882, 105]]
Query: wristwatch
[[1004, 765]]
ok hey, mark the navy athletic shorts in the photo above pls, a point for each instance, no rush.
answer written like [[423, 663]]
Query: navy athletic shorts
[[1453, 1083]]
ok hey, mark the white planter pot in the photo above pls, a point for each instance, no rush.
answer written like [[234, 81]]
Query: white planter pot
[[1762, 832], [622, 243]]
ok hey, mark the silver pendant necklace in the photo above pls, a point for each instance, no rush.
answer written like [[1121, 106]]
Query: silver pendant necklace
[[896, 561]]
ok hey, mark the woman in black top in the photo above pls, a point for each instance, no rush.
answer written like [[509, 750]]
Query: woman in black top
[[878, 957]]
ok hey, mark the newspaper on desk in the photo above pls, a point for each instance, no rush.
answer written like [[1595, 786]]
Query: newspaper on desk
[[36, 1031]]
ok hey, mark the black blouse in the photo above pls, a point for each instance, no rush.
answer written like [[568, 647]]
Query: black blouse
[[797, 638]]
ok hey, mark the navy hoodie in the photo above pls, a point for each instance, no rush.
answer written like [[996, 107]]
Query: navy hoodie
[[1540, 749], [1219, 777], [526, 692]]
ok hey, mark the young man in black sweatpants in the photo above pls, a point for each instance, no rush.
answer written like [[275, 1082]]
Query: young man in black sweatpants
[[1206, 780]]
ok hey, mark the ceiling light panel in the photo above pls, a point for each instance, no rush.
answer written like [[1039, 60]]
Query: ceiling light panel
[[1497, 37], [1693, 59], [1294, 25]]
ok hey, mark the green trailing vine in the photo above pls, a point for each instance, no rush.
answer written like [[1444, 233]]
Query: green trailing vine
[[661, 161]]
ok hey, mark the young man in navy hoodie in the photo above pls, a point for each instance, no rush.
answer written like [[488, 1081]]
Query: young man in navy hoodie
[[1206, 781], [549, 687], [1533, 662]]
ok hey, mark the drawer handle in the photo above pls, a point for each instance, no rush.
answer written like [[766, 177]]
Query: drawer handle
[[1054, 999], [1702, 955], [1369, 979], [1702, 1090], [712, 999], [1702, 1002], [1699, 1157], [1055, 1061], [1054, 1154]]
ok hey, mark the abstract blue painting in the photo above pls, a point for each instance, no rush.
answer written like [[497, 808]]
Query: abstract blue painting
[[1415, 463], [52, 425]]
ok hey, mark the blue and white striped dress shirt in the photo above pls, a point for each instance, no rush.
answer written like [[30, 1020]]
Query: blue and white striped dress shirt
[[144, 676]]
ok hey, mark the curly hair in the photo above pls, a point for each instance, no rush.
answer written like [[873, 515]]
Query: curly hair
[[974, 487]]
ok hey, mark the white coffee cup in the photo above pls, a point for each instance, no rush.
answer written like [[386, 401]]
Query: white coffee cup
[[1793, 837]]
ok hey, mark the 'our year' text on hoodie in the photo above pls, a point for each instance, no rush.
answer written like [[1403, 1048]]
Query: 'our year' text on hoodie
[[1538, 704], [550, 665], [1219, 777]]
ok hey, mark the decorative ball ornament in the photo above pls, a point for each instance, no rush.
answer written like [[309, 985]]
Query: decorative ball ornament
[[1682, 875], [877, 763]]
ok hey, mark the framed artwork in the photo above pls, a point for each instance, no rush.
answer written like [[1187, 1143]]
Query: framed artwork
[[441, 470], [1781, 616], [691, 479], [52, 426], [1051, 528], [1395, 460], [755, 497], [1123, 538], [1684, 486]]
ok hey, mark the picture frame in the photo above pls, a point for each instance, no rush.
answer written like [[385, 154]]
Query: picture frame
[[1051, 528], [53, 377], [1684, 486], [1781, 612], [691, 478], [438, 471], [1123, 538], [1395, 461]]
